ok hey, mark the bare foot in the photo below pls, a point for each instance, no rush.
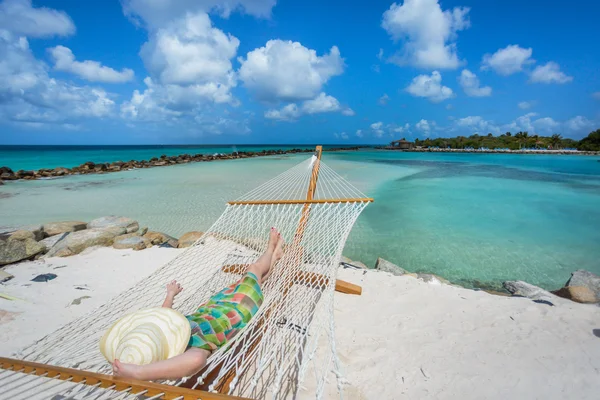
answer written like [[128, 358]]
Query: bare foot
[[277, 254], [124, 370], [273, 238]]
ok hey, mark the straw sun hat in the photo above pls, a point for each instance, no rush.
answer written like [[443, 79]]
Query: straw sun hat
[[146, 336]]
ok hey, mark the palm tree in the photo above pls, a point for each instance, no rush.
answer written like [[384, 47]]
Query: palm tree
[[555, 140]]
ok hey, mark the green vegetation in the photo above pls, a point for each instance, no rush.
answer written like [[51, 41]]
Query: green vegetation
[[591, 142], [519, 140]]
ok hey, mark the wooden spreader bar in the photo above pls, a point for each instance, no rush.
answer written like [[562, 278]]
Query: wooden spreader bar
[[312, 201], [304, 278], [133, 386]]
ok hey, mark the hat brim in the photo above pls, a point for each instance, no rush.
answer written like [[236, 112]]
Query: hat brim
[[174, 326]]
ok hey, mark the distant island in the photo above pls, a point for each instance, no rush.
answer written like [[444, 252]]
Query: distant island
[[506, 141]]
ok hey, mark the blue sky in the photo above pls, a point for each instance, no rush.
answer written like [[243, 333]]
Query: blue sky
[[267, 71]]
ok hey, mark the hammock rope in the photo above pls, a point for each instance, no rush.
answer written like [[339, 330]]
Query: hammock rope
[[276, 351]]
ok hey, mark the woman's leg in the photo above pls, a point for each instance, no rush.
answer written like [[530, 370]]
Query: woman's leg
[[261, 267], [186, 364]]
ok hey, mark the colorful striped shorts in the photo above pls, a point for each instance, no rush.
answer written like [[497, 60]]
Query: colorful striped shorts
[[225, 314]]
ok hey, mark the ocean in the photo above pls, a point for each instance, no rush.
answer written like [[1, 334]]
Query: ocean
[[474, 219]]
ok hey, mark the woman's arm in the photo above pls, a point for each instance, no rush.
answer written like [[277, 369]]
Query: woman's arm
[[173, 289]]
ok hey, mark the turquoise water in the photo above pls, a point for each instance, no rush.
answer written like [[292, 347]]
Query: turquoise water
[[475, 219], [36, 157]]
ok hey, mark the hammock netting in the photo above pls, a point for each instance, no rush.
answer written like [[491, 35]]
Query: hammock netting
[[284, 341]]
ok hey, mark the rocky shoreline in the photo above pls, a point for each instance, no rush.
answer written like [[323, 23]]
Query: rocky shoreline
[[67, 238], [7, 174], [582, 287], [492, 151]]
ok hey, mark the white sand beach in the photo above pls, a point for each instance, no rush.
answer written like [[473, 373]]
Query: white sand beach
[[403, 338]]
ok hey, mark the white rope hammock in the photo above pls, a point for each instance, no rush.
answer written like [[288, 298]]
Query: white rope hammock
[[272, 356]]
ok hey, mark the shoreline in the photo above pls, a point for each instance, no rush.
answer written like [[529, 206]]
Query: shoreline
[[89, 167], [69, 238], [492, 151]]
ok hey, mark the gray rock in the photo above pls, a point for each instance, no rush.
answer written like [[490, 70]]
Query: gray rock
[[359, 264], [113, 221], [5, 276], [158, 238], [13, 249], [131, 242], [22, 235], [346, 260], [524, 289], [51, 241], [37, 231], [384, 265], [54, 228], [586, 279], [189, 238], [434, 279], [78, 241]]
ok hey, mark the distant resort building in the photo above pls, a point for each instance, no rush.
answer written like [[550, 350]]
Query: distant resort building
[[402, 144]]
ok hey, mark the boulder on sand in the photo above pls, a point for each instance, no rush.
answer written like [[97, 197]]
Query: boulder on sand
[[76, 242], [5, 276], [580, 294], [22, 235], [586, 279], [38, 233], [113, 221], [189, 238], [54, 228], [158, 238], [13, 249], [51, 241], [384, 265], [524, 289], [131, 242]]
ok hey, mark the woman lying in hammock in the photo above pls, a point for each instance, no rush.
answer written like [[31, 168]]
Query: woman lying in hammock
[[233, 306]]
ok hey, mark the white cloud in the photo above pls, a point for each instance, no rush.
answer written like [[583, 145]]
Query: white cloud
[[29, 96], [549, 73], [380, 54], [383, 100], [64, 60], [343, 135], [400, 129], [192, 54], [359, 133], [545, 125], [471, 85], [449, 107], [19, 17], [424, 126], [430, 87], [323, 103], [579, 124], [288, 71], [376, 127], [596, 95], [155, 13], [478, 125], [526, 105], [508, 60], [429, 34], [190, 66]]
